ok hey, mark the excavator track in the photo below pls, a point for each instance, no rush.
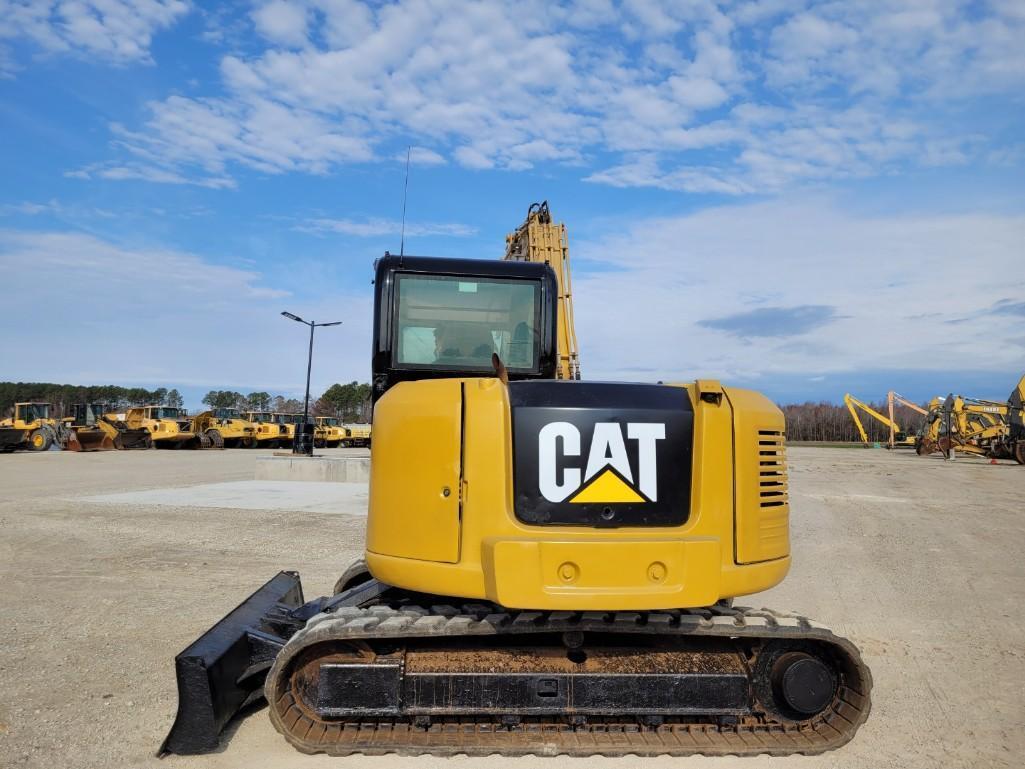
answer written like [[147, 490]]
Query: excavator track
[[362, 653]]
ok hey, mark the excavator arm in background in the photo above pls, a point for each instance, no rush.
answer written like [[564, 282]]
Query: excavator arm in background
[[852, 403], [542, 241]]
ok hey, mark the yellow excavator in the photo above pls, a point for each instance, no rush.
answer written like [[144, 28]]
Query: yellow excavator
[[555, 575], [897, 437], [31, 427]]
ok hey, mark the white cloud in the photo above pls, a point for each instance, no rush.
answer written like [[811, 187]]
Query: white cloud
[[870, 292], [116, 30], [375, 227], [782, 94], [282, 22], [111, 313], [421, 156]]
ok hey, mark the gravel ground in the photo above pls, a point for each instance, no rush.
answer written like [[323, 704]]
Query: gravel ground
[[918, 561]]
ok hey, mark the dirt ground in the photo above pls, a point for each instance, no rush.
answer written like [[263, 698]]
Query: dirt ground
[[918, 561]]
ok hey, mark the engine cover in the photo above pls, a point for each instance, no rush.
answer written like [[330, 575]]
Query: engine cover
[[601, 454]]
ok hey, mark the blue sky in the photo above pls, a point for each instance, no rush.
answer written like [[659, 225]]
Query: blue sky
[[805, 198]]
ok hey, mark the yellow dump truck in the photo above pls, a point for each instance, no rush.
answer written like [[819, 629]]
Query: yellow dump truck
[[357, 435], [169, 427], [329, 433], [235, 430], [269, 434]]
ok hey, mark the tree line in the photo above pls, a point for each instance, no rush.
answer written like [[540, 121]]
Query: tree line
[[351, 403], [831, 422], [63, 395]]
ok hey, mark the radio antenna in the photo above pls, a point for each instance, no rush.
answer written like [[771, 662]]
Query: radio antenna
[[405, 192]]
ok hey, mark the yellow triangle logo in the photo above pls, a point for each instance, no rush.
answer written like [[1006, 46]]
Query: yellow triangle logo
[[607, 486]]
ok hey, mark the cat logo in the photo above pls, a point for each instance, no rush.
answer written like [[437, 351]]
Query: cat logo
[[607, 477], [601, 454]]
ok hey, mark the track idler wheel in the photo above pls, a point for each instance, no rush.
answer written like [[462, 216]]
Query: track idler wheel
[[795, 682]]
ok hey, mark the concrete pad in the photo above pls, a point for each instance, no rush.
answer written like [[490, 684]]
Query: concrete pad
[[316, 468], [323, 497]]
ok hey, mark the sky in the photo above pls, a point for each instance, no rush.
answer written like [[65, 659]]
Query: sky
[[802, 198]]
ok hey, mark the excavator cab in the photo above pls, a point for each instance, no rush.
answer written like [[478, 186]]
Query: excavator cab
[[445, 318]]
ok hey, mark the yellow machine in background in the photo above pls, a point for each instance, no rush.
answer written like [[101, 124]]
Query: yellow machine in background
[[169, 427], [268, 433], [287, 424], [31, 427], [541, 241], [896, 435], [96, 427], [329, 433], [234, 430], [974, 426], [357, 435]]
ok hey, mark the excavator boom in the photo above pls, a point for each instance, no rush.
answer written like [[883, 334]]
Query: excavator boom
[[542, 241]]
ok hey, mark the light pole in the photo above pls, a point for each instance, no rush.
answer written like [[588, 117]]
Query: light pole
[[303, 446]]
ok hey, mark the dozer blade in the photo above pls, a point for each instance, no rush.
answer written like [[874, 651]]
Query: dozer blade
[[88, 440], [224, 669]]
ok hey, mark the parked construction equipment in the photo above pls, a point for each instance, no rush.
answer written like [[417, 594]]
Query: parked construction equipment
[[975, 426], [234, 430], [95, 427], [329, 433], [357, 435], [268, 433], [896, 436], [169, 427], [31, 427], [554, 575], [909, 439]]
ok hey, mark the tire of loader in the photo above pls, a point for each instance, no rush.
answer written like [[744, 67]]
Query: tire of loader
[[40, 440], [216, 440], [1019, 452]]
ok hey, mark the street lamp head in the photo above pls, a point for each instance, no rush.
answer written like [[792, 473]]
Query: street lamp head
[[293, 317], [335, 323]]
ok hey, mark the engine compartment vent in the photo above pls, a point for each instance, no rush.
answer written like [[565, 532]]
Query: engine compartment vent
[[772, 469]]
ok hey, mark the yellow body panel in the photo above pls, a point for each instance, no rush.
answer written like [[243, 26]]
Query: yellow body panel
[[421, 500], [420, 539]]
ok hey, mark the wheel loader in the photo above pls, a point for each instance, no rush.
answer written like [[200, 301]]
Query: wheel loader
[[31, 428], [550, 563], [96, 427]]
